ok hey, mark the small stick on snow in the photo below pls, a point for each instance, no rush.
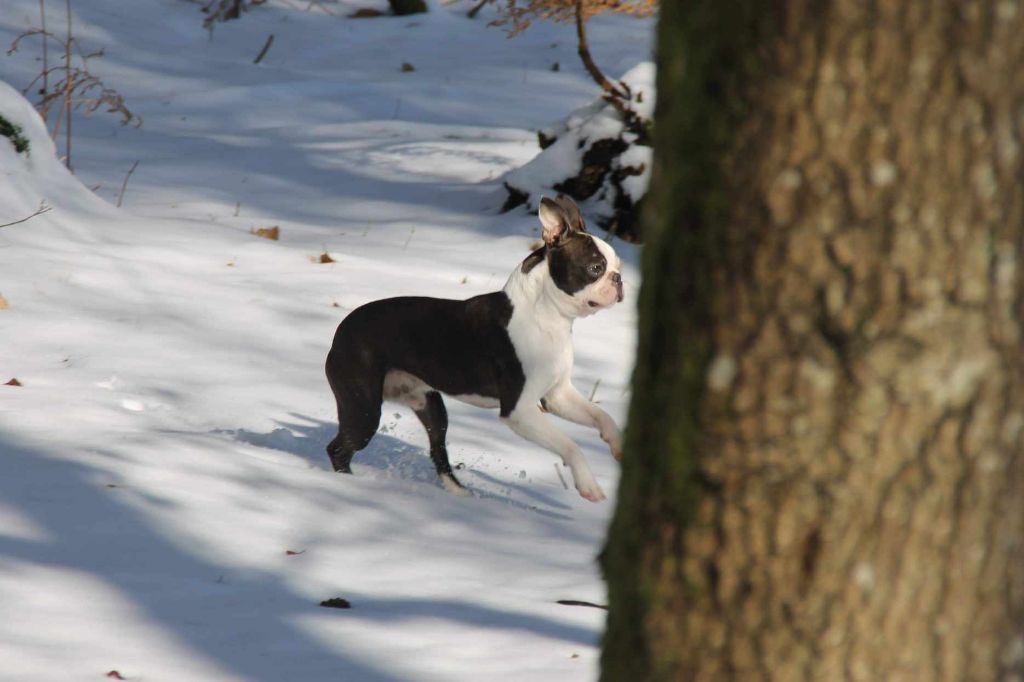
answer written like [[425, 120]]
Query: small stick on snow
[[318, 4], [559, 472], [411, 233], [266, 47], [124, 185], [593, 391], [43, 208], [580, 602]]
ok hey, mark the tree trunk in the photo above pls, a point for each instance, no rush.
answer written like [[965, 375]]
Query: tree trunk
[[823, 477]]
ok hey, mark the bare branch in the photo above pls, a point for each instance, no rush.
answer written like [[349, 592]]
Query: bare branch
[[43, 208], [124, 185], [266, 47]]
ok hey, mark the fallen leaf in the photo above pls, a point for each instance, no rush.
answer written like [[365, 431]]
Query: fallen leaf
[[271, 233], [326, 258], [115, 675], [291, 552], [13, 382], [406, 67], [4, 305], [336, 603]]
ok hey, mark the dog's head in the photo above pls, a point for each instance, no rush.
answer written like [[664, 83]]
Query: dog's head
[[583, 268]]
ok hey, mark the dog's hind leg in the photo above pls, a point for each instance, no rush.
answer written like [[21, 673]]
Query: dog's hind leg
[[434, 418], [359, 403], [354, 434], [341, 457]]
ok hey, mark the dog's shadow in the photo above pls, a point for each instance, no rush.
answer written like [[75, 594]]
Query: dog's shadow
[[390, 458]]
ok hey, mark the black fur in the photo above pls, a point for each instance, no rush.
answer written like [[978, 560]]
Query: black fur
[[576, 262], [534, 259], [457, 347]]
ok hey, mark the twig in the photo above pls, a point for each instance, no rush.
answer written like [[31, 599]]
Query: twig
[[43, 208], [559, 472], [124, 185], [42, 19], [266, 47], [593, 391], [579, 602], [411, 233], [319, 4], [70, 87]]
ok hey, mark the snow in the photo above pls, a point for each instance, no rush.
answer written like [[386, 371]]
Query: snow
[[166, 448]]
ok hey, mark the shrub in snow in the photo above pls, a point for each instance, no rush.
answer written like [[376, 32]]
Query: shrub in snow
[[597, 157], [12, 132]]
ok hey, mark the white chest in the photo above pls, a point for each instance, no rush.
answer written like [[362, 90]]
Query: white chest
[[543, 346]]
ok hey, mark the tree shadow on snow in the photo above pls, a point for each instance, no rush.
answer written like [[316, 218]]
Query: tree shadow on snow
[[85, 529], [384, 610], [220, 614]]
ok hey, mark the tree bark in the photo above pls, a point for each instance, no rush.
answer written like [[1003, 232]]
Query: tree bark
[[823, 476]]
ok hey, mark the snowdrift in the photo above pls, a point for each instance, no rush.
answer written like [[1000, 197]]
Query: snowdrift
[[35, 176], [593, 158]]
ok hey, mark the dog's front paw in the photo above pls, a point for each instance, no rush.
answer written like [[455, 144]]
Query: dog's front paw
[[614, 440], [591, 491]]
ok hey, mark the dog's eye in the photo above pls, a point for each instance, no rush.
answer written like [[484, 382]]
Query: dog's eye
[[596, 269]]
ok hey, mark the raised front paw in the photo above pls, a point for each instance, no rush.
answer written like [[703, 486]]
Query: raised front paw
[[614, 441], [591, 491]]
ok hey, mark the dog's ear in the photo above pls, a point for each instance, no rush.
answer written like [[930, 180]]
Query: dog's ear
[[555, 223], [572, 212]]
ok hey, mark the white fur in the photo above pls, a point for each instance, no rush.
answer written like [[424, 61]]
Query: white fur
[[406, 389], [449, 484], [541, 333]]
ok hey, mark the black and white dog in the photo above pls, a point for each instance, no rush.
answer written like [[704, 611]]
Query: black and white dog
[[510, 349]]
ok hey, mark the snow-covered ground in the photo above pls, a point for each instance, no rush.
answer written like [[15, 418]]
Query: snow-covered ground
[[166, 507]]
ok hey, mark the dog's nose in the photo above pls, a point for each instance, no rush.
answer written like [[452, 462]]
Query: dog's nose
[[617, 278]]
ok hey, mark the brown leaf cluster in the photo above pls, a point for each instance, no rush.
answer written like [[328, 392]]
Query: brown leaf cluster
[[267, 232], [517, 14]]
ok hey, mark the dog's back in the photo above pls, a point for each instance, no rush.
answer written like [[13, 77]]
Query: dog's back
[[447, 344]]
